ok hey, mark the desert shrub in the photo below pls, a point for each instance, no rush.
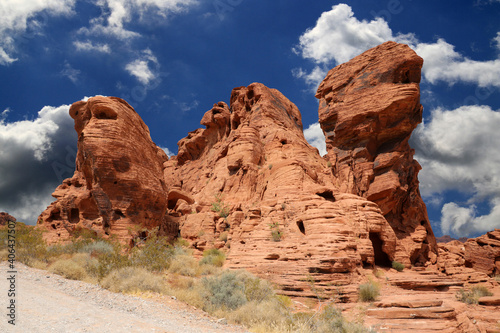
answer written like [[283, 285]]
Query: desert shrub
[[184, 264], [219, 207], [276, 233], [269, 313], [181, 243], [378, 273], [29, 246], [472, 296], [258, 289], [155, 254], [224, 236], [109, 262], [69, 269], [398, 266], [133, 279], [368, 291], [213, 257], [97, 247], [225, 291]]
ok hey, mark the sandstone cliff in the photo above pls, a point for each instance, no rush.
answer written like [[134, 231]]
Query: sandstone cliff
[[118, 185]]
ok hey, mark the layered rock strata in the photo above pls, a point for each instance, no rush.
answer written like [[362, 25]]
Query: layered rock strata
[[118, 185], [265, 195], [368, 109]]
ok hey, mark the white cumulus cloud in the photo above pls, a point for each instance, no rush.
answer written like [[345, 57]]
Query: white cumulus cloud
[[116, 14], [140, 68], [338, 36], [443, 63], [458, 150], [314, 135], [88, 46], [20, 21]]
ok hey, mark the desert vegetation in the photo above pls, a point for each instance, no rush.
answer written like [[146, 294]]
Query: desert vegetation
[[156, 266], [472, 296]]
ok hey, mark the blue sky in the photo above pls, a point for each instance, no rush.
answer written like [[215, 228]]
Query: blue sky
[[172, 59]]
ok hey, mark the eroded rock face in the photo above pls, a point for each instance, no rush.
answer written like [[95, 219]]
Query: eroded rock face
[[368, 109], [265, 195], [475, 258], [118, 185]]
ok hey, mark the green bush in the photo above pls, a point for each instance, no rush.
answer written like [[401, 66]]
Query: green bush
[[219, 207], [109, 262], [213, 257], [155, 254], [368, 291], [276, 233], [398, 266], [472, 296], [133, 279], [225, 291]]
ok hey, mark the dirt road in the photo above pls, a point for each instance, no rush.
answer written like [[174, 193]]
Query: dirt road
[[46, 302]]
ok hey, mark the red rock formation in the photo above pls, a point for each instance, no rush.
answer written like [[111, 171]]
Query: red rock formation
[[256, 182], [368, 110], [476, 255], [6, 218], [118, 185]]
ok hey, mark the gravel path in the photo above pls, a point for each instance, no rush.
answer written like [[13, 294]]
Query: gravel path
[[47, 302]]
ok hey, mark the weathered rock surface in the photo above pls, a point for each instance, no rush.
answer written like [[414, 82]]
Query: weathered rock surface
[[256, 181], [118, 185], [475, 258], [368, 110], [6, 218]]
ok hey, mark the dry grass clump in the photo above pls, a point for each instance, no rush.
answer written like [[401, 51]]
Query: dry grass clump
[[30, 248], [155, 254], [369, 291], [213, 257], [184, 264], [68, 269], [472, 296], [133, 280]]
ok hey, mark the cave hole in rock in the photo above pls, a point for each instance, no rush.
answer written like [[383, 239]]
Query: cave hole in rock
[[118, 214], [300, 224], [381, 258], [328, 195], [74, 215]]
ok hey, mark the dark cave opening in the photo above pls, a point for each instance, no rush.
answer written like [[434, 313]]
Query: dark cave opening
[[381, 258]]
